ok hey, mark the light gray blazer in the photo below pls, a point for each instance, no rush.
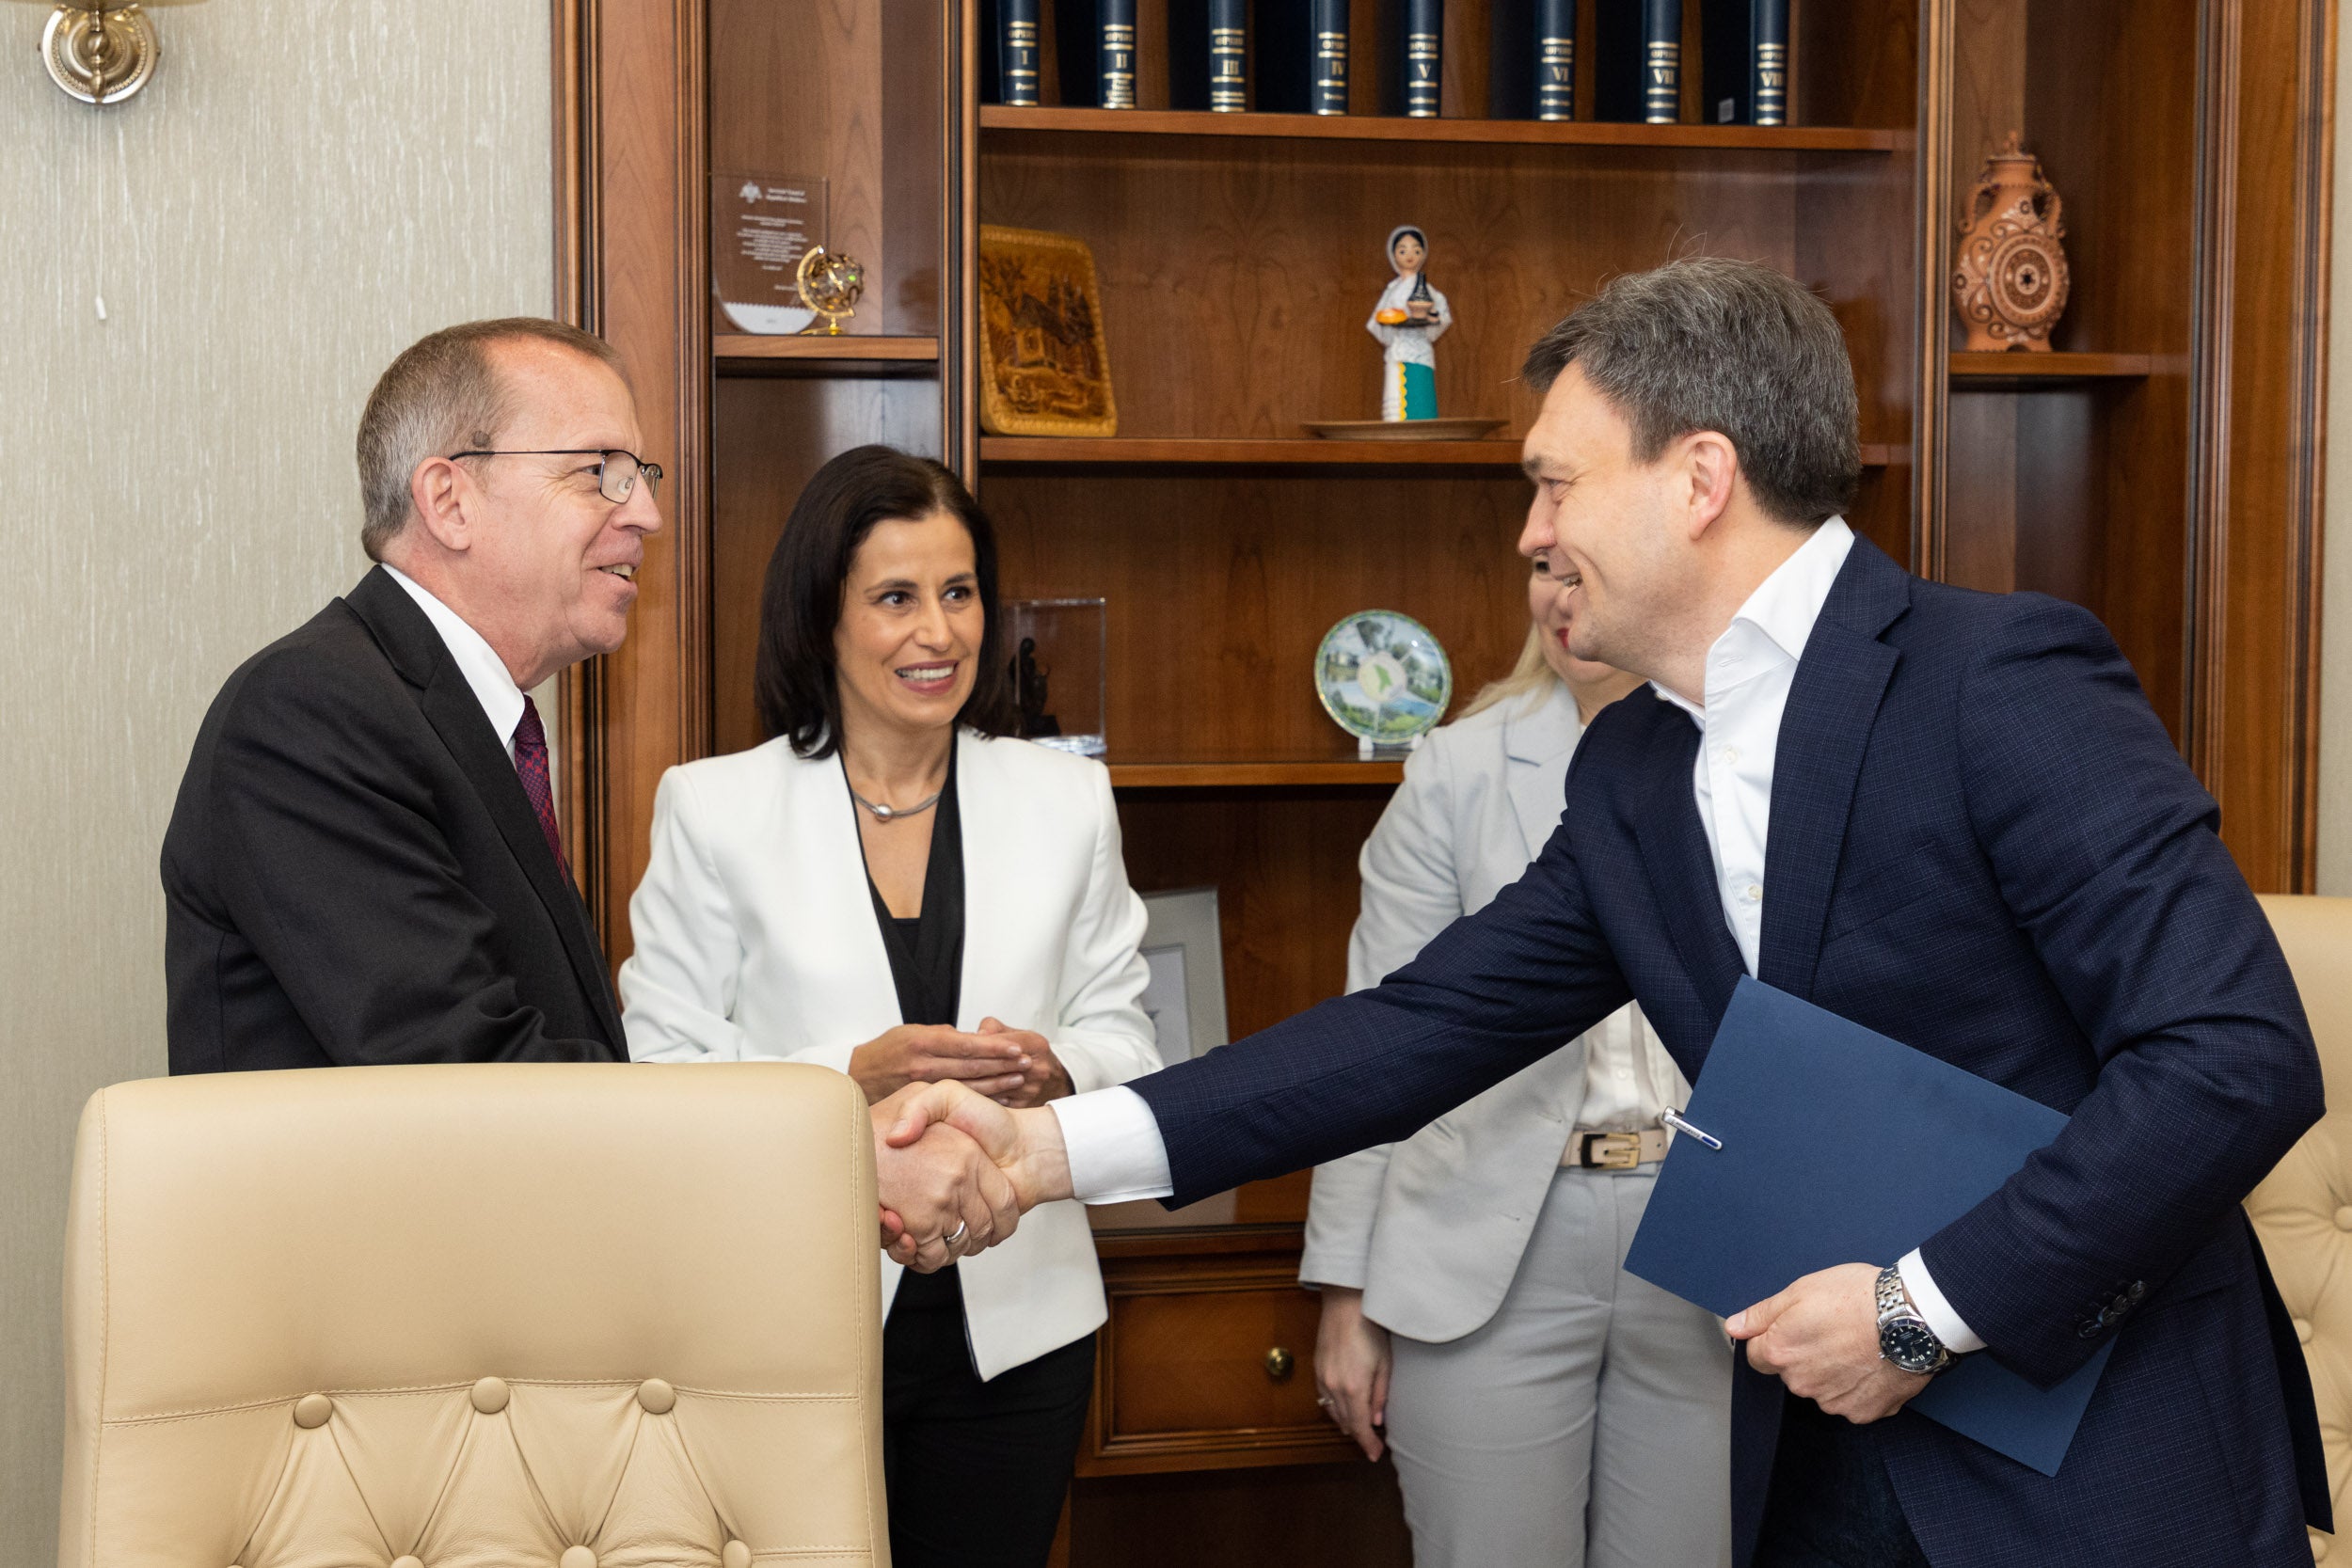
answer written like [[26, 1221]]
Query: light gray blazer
[[1431, 1229]]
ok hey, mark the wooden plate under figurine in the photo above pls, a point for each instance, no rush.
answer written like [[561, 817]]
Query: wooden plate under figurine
[[1402, 430]]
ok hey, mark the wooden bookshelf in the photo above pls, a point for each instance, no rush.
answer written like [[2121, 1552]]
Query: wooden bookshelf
[[2047, 369], [1374, 128], [1006, 451], [1312, 773], [743, 351], [2155, 467]]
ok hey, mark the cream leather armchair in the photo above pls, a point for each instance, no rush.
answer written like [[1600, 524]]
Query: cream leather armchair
[[2303, 1209], [474, 1317]]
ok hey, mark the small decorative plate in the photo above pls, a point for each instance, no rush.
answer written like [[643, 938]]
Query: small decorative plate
[[1382, 678], [1402, 430]]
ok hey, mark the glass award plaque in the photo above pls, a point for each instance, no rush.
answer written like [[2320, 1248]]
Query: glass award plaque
[[761, 224], [1060, 671]]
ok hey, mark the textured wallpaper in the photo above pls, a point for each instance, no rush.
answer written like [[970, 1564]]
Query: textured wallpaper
[[301, 192]]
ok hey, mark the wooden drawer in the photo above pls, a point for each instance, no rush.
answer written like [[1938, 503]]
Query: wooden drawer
[[1207, 1362]]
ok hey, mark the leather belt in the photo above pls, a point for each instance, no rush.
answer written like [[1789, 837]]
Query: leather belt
[[1593, 1150]]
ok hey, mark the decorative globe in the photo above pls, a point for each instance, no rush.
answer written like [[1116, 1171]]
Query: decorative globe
[[830, 284]]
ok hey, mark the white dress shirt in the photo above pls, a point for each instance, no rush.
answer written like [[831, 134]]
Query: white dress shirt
[[493, 684], [1113, 1140]]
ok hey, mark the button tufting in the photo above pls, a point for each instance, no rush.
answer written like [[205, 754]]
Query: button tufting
[[735, 1555], [490, 1395], [312, 1410], [656, 1396], [2343, 1218], [2302, 1330], [407, 1562], [576, 1556]]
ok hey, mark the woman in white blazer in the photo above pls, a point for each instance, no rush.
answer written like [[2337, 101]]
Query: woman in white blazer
[[1544, 1406], [895, 888]]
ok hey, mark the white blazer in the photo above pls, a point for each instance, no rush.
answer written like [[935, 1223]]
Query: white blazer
[[755, 940], [1431, 1229]]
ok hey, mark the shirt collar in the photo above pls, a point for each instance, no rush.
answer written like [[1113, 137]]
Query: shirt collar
[[493, 684], [1780, 612]]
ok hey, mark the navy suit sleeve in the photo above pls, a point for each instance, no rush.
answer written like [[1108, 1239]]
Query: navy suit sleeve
[[1489, 994], [2108, 858], [333, 865]]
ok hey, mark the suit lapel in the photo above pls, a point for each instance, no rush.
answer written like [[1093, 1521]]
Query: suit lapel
[[1537, 743], [455, 714], [992, 874], [1682, 868], [1823, 734]]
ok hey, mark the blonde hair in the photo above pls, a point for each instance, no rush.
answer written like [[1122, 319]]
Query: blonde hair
[[1532, 676]]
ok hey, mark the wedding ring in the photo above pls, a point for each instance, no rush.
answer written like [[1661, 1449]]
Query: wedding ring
[[955, 1239], [1323, 1400]]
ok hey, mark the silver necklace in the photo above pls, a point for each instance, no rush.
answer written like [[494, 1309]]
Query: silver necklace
[[891, 814]]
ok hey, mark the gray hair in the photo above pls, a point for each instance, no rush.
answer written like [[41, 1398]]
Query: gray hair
[[1709, 343], [443, 394]]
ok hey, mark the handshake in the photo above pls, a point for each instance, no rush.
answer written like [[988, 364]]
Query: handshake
[[956, 1171]]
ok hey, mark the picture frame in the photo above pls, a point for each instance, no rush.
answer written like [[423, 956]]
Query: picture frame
[[1184, 944], [1044, 362]]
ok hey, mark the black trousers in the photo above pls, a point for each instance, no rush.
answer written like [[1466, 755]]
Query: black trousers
[[975, 1471], [1832, 1505]]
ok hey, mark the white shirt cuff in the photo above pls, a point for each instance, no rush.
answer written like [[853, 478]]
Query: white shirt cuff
[[1114, 1145], [1948, 1326]]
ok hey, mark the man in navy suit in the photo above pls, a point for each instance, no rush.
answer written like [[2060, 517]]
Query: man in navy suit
[[1949, 816]]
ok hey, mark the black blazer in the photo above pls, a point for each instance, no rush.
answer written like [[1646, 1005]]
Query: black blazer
[[1983, 845], [354, 874]]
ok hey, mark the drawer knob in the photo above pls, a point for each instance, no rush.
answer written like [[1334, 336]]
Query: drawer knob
[[1279, 1363]]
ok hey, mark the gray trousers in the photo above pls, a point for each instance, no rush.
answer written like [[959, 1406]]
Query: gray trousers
[[1587, 1422]]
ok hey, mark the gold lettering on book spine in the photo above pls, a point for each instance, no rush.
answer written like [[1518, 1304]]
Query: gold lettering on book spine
[[1662, 96], [1555, 84], [1772, 84]]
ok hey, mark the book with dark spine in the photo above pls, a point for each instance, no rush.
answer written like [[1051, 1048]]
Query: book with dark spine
[[1302, 57], [1555, 60], [1423, 43], [1229, 80], [1328, 38], [1016, 51], [1096, 42], [1744, 65], [1637, 56]]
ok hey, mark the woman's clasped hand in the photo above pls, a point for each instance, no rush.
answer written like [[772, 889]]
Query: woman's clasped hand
[[1013, 1066]]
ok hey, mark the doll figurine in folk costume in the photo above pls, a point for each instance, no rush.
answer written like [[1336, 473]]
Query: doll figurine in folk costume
[[1409, 318]]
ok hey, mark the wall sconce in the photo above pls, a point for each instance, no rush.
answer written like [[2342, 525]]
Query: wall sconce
[[99, 54]]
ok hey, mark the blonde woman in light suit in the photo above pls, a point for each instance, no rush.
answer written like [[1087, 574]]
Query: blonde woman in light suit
[[1544, 1407], [897, 888]]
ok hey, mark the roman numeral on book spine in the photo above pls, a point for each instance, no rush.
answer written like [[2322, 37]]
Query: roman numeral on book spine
[[1661, 61], [1555, 60], [1425, 30], [1016, 49], [1115, 52], [1767, 84], [1327, 93], [1228, 86]]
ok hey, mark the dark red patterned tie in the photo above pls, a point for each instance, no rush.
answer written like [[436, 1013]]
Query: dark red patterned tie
[[531, 761]]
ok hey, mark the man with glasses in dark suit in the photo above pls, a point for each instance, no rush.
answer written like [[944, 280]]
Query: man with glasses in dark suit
[[363, 866]]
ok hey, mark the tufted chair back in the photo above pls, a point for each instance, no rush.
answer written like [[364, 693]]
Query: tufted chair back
[[513, 1316], [2303, 1209]]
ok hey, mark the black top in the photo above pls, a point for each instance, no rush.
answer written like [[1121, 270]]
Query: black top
[[354, 874], [927, 970]]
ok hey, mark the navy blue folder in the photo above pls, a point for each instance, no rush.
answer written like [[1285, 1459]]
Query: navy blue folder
[[1841, 1145]]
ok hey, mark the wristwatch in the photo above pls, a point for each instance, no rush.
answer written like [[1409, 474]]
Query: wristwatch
[[1904, 1337]]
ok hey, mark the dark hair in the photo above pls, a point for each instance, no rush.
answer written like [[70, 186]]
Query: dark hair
[[1708, 344], [794, 679]]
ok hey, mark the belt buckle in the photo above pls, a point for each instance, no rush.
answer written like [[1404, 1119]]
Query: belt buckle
[[1617, 1150]]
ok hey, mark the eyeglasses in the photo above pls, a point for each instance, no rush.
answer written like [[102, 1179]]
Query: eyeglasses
[[617, 471]]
